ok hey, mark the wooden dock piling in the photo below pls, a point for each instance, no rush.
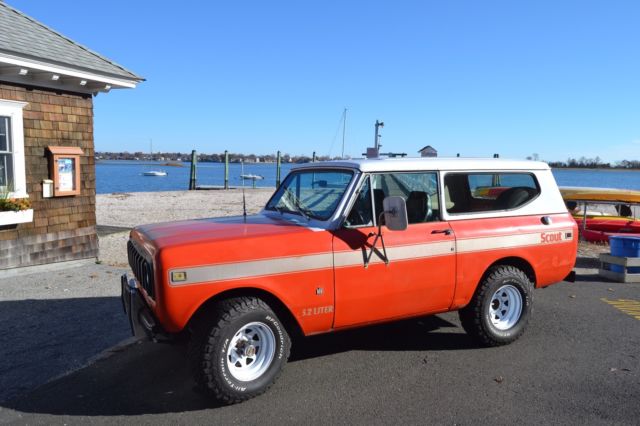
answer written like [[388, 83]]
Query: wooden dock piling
[[192, 178], [226, 169], [278, 170]]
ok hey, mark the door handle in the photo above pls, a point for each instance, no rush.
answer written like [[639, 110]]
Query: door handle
[[546, 220], [442, 231]]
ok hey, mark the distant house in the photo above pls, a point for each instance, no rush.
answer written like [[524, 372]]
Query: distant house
[[47, 171], [428, 151]]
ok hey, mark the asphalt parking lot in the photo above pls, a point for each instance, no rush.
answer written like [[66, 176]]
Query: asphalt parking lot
[[577, 363]]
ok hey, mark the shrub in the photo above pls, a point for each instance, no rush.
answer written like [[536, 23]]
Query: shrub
[[14, 204]]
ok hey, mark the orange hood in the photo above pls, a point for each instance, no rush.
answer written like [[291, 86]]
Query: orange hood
[[228, 239]]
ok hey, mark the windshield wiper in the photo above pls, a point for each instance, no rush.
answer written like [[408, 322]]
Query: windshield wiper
[[304, 212], [296, 203]]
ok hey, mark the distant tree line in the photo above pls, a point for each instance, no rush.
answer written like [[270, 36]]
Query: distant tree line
[[595, 163], [589, 163], [208, 158]]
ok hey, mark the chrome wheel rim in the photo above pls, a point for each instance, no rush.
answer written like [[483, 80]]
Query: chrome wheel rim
[[251, 351], [505, 307]]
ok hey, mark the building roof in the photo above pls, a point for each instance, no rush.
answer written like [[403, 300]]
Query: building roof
[[33, 47], [429, 163], [428, 148]]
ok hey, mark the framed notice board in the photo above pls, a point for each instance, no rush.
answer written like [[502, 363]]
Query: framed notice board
[[64, 170]]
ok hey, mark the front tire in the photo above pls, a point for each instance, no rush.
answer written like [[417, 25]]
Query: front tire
[[239, 352], [500, 308]]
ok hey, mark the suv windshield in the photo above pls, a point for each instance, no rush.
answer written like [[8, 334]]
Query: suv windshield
[[311, 193]]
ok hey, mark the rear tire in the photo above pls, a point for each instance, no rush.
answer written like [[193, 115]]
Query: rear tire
[[500, 308], [239, 351]]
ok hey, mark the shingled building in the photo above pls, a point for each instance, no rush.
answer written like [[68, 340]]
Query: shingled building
[[47, 171]]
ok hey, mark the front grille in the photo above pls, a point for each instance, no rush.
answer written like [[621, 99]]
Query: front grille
[[142, 268]]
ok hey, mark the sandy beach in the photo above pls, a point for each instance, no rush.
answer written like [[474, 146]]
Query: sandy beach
[[126, 210]]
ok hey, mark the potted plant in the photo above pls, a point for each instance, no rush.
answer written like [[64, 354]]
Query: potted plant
[[14, 210]]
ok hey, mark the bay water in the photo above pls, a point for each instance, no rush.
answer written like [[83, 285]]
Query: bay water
[[128, 176]]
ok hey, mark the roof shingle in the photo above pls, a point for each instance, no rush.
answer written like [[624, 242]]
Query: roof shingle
[[23, 36]]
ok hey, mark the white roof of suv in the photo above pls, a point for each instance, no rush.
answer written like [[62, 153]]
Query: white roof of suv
[[413, 164]]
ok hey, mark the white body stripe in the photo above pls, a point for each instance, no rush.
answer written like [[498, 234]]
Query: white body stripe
[[343, 259], [510, 241], [255, 268], [418, 251]]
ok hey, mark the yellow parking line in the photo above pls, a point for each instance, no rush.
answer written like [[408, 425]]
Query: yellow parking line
[[627, 306]]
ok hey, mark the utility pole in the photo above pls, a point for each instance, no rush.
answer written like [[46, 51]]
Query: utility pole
[[377, 140]]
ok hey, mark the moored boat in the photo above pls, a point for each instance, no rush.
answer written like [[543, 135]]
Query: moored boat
[[155, 173], [251, 177]]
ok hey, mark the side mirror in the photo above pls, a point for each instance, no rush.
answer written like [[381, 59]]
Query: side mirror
[[395, 213]]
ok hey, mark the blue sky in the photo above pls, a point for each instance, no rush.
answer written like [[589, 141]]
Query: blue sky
[[556, 78]]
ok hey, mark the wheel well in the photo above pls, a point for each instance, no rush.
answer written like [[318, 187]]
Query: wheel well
[[516, 262], [280, 309]]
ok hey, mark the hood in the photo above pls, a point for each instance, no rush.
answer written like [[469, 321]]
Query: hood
[[231, 239], [196, 231]]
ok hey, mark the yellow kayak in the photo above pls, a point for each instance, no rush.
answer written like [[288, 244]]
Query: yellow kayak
[[600, 194]]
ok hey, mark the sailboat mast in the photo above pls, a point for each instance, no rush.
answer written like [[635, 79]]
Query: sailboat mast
[[344, 129]]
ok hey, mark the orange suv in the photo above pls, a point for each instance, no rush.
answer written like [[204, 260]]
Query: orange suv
[[345, 244]]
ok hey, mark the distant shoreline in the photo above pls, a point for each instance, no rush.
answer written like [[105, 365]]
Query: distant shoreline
[[185, 163], [594, 169]]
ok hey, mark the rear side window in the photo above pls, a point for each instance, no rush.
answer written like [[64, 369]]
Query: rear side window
[[482, 192]]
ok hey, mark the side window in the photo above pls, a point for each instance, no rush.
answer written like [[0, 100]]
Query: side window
[[420, 191], [482, 192], [361, 213]]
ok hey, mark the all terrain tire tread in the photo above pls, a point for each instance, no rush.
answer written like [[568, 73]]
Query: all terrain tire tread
[[472, 316], [201, 355]]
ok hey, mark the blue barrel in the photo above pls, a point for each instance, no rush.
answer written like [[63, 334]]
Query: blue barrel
[[624, 247]]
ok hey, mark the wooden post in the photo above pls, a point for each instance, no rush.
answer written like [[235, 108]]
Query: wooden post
[[278, 169], [226, 169], [313, 159], [194, 161]]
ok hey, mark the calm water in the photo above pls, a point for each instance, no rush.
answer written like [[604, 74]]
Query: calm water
[[623, 179], [127, 176]]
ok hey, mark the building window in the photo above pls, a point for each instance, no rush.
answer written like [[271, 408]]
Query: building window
[[12, 167], [6, 153]]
